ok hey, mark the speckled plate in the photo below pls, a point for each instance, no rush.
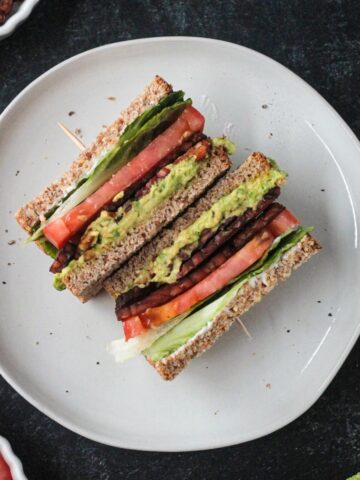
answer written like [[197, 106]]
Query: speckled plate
[[52, 348]]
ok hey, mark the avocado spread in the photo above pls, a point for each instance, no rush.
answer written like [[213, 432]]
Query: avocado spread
[[226, 143], [165, 267], [107, 228]]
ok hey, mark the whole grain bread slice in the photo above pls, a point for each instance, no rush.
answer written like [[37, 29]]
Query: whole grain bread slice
[[255, 165], [250, 294], [86, 280], [33, 212]]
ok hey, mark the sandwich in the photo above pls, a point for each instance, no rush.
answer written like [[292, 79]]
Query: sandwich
[[184, 289], [140, 173]]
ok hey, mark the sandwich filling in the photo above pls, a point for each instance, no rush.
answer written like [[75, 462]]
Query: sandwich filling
[[157, 155], [165, 268], [180, 291], [169, 317], [135, 137], [207, 233], [112, 226]]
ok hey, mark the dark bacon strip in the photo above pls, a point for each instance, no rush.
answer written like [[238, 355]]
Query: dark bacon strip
[[134, 295], [167, 292]]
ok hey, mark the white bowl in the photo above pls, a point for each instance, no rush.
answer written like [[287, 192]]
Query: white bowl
[[16, 18], [13, 462]]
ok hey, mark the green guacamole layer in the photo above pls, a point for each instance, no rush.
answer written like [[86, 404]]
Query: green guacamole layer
[[165, 267]]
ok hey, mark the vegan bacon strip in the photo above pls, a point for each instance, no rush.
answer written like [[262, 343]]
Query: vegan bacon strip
[[165, 293]]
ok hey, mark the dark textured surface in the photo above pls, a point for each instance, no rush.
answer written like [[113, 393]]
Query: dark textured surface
[[320, 41]]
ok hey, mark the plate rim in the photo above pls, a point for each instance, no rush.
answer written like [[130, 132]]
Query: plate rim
[[144, 446]]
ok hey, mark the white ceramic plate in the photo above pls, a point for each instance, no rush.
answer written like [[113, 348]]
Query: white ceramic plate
[[20, 13], [50, 344]]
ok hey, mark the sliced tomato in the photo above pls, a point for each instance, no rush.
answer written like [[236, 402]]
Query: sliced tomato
[[133, 328], [59, 231], [283, 222], [5, 473]]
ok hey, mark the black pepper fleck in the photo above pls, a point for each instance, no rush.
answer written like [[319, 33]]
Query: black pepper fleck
[[319, 301], [6, 230], [264, 106], [17, 173], [97, 363], [66, 391], [323, 189], [11, 242], [288, 331], [4, 283], [71, 113], [329, 314]]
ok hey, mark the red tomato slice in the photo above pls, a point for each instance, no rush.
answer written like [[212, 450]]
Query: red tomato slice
[[132, 328], [283, 222], [59, 231], [5, 473]]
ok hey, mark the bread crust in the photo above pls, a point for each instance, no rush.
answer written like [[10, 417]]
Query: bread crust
[[250, 294], [256, 164], [34, 211], [85, 281]]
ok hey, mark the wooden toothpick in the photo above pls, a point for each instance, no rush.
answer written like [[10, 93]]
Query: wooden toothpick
[[242, 325], [72, 136]]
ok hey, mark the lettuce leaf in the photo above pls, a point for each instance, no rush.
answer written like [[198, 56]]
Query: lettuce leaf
[[123, 351], [134, 138], [203, 316]]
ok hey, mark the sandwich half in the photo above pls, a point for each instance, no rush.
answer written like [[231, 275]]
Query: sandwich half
[[138, 176], [185, 288]]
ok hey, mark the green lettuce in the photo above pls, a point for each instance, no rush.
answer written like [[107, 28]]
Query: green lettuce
[[207, 311], [134, 138]]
